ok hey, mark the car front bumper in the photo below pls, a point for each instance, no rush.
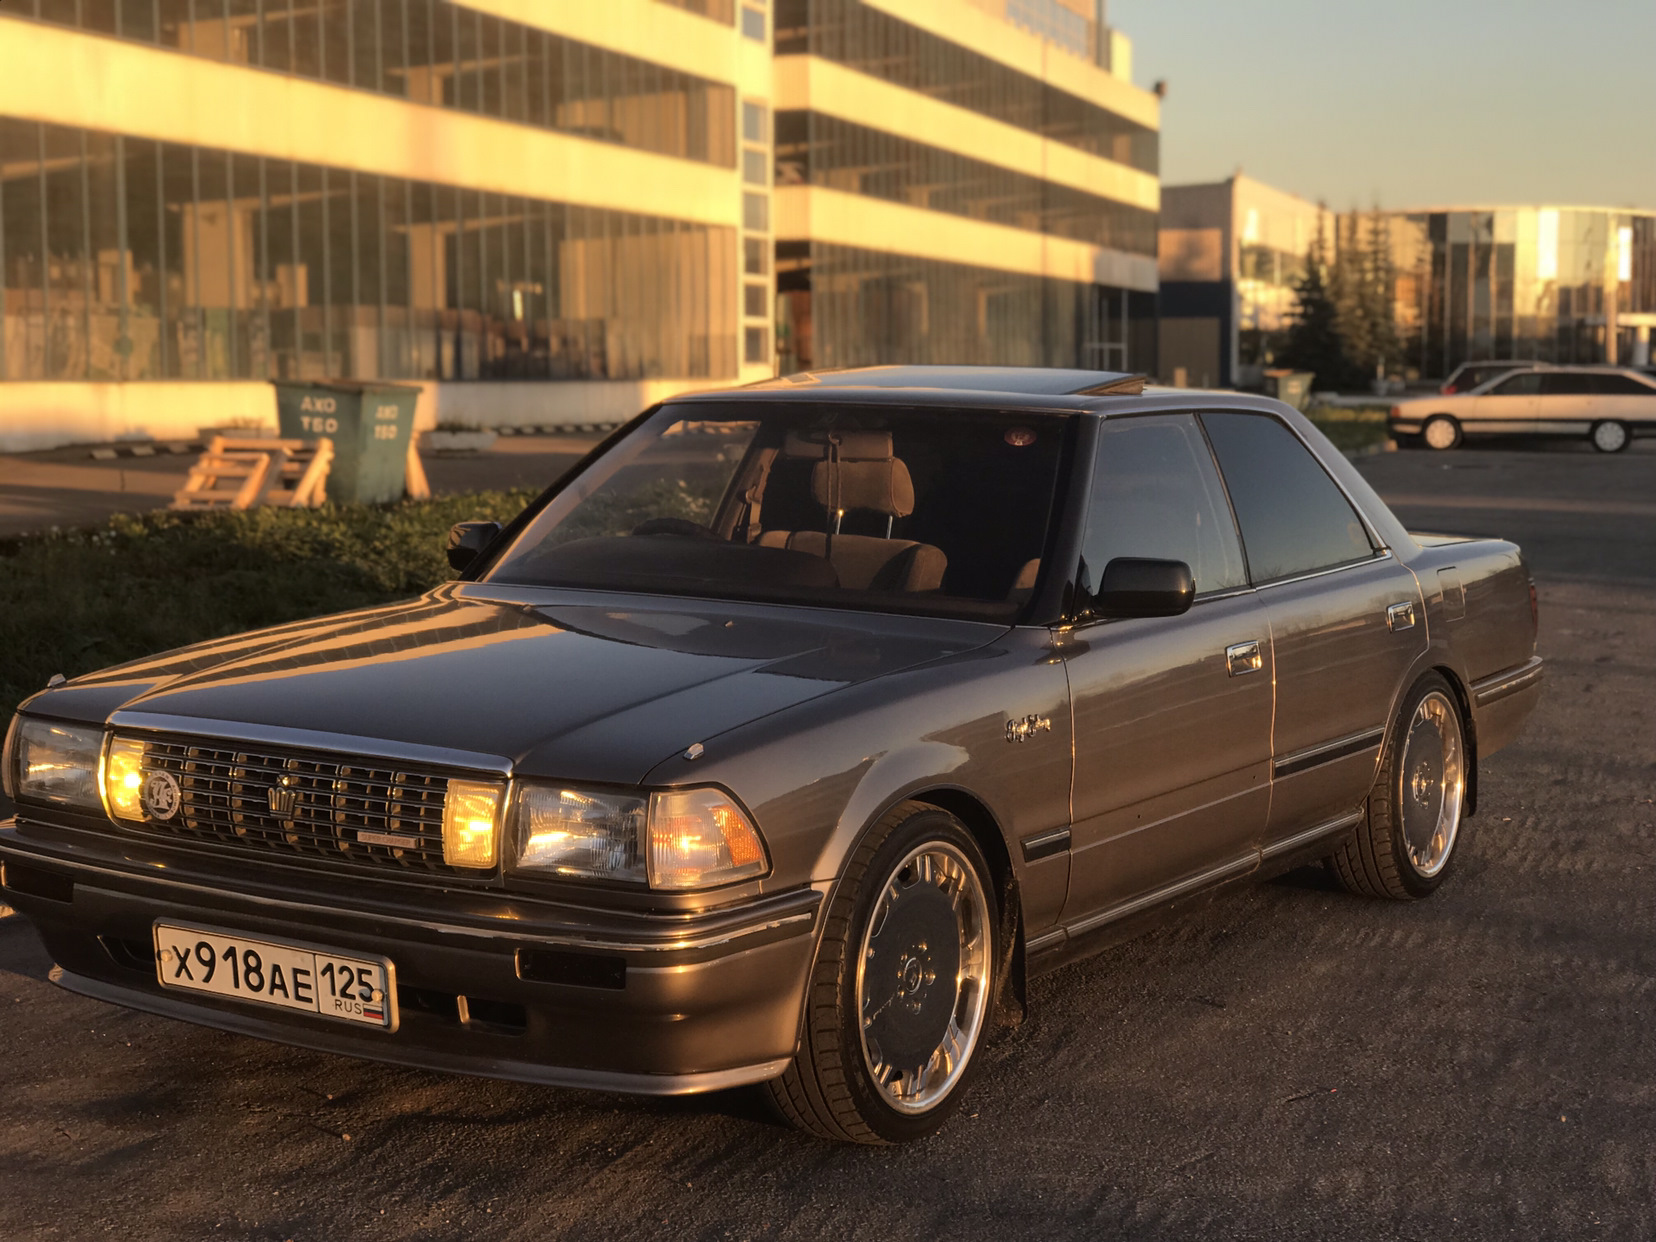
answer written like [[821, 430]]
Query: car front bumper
[[568, 996]]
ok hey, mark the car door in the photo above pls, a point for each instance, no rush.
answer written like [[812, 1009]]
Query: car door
[[1509, 405], [1172, 715], [1346, 618], [1566, 402]]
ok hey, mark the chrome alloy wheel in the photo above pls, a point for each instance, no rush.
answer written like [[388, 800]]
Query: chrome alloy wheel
[[923, 977], [1433, 775]]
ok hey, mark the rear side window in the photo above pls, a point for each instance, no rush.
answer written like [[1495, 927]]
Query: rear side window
[[1566, 384], [1620, 386], [1294, 519], [1156, 494]]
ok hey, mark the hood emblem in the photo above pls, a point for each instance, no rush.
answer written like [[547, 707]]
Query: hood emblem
[[160, 795], [1026, 728], [282, 799]]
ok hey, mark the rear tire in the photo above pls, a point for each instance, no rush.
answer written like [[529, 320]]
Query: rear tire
[[1610, 436], [899, 999], [1441, 432], [1404, 845]]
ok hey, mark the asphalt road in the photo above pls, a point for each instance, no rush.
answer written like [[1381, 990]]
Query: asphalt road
[[1289, 1063]]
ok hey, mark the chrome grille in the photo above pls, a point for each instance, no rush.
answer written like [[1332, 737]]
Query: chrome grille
[[277, 801]]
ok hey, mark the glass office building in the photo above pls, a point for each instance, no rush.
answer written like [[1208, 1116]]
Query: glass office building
[[1231, 253], [1554, 284], [552, 213], [961, 183]]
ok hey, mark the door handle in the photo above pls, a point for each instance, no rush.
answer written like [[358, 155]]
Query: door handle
[[1243, 658], [1400, 617]]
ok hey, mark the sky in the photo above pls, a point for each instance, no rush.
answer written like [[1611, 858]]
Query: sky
[[1413, 103]]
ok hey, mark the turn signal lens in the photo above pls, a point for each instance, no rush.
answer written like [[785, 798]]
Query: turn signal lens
[[700, 838], [123, 779], [471, 824]]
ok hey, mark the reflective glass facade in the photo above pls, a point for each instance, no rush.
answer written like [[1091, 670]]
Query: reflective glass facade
[[847, 307], [435, 52], [124, 259], [816, 149], [871, 41], [1522, 282]]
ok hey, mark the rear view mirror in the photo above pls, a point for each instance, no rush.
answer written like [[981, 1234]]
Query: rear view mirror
[[1136, 587], [467, 539]]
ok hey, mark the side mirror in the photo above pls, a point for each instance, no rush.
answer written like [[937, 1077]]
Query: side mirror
[[1135, 587], [467, 539]]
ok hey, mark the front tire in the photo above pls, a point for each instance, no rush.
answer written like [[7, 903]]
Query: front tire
[[1441, 432], [899, 999], [1411, 825], [1610, 436]]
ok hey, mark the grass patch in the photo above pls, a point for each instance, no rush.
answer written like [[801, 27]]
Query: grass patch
[[80, 600], [1353, 429]]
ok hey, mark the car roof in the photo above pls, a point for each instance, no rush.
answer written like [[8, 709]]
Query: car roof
[[1057, 389]]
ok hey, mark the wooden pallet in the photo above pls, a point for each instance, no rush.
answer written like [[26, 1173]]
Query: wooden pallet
[[238, 473]]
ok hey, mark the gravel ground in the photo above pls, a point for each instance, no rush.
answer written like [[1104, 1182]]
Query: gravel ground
[[1288, 1063]]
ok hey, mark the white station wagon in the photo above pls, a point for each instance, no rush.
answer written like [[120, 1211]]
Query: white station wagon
[[1608, 405]]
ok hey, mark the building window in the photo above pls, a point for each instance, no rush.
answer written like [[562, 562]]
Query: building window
[[755, 213], [438, 52], [756, 345], [753, 22], [871, 41], [755, 166], [126, 259], [755, 256], [755, 301]]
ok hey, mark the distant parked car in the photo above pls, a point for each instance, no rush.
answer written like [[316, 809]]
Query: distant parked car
[[1609, 405]]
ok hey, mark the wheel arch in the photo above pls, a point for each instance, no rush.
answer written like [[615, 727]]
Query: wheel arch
[[1469, 721]]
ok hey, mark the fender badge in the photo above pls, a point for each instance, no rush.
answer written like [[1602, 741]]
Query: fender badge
[[1028, 727]]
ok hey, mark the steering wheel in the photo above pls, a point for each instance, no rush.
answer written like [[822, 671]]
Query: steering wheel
[[682, 527]]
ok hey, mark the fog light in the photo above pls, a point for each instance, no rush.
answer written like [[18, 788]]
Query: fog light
[[123, 779], [471, 824]]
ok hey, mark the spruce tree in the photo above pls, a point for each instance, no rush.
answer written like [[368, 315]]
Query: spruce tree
[[1314, 342]]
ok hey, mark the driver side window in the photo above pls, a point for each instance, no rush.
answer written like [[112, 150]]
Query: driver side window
[[1156, 493]]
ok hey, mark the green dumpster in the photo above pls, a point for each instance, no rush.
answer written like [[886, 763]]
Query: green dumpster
[[370, 425], [1292, 387]]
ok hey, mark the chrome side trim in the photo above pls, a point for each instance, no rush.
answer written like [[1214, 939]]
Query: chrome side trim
[[402, 1054], [1213, 875], [1046, 940], [1327, 752], [1384, 555], [1493, 689], [1326, 829], [307, 739], [1046, 844], [672, 940]]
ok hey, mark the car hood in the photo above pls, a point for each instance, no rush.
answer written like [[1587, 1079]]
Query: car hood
[[564, 684]]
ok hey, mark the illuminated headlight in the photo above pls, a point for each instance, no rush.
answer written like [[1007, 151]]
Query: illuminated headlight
[[681, 839], [52, 762], [471, 824]]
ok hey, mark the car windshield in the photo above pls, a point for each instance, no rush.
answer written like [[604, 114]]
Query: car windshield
[[937, 511]]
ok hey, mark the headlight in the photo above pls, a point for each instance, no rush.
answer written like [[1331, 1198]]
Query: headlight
[[679, 839], [580, 833], [56, 763]]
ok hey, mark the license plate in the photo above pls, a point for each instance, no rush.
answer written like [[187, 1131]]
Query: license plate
[[269, 972]]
